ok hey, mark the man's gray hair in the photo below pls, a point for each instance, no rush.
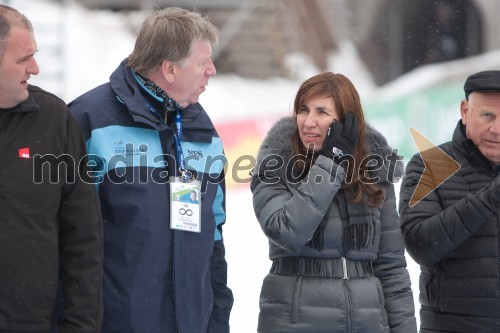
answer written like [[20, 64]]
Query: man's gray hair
[[168, 35], [9, 18]]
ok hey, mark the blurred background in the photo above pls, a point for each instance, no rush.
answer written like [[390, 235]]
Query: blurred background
[[408, 59]]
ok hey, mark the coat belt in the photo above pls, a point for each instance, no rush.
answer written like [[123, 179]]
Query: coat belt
[[341, 268]]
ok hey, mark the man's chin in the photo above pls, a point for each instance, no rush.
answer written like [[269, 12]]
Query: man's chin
[[14, 102], [24, 96], [492, 156]]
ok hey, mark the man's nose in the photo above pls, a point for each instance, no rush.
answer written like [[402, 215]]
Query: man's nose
[[495, 127], [211, 71], [33, 68]]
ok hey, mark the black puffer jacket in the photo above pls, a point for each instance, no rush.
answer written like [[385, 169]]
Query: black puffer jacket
[[453, 234], [313, 247]]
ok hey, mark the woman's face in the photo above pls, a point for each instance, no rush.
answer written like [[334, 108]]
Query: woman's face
[[313, 120]]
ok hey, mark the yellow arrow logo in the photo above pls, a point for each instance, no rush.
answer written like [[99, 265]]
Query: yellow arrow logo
[[439, 166]]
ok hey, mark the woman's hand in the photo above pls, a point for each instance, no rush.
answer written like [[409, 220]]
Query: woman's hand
[[341, 138]]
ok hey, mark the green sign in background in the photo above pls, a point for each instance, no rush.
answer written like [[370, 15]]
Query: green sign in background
[[434, 112]]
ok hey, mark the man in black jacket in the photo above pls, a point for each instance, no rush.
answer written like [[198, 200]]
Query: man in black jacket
[[50, 225], [453, 232]]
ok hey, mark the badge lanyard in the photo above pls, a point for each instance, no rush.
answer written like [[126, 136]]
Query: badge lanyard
[[186, 175], [185, 200]]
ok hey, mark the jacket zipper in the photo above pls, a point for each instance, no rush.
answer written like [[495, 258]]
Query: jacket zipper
[[348, 305], [172, 255], [345, 279]]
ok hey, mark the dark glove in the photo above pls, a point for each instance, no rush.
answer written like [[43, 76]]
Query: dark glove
[[341, 138]]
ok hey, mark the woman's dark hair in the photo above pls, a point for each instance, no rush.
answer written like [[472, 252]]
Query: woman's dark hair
[[345, 99]]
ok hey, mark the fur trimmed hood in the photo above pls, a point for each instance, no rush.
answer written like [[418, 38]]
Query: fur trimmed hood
[[278, 142]]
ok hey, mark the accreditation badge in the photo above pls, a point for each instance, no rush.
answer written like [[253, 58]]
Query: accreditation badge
[[185, 204]]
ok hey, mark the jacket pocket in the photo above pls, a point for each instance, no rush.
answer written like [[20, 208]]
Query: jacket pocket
[[382, 302], [295, 299], [432, 289]]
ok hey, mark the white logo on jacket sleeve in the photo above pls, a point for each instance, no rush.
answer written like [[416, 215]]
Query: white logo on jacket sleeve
[[205, 157]]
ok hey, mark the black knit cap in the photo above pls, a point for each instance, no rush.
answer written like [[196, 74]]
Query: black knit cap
[[486, 81]]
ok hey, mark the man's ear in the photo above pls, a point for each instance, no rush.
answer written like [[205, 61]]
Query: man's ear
[[464, 109], [168, 71]]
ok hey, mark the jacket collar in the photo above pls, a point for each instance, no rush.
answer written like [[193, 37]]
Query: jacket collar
[[29, 105], [128, 92]]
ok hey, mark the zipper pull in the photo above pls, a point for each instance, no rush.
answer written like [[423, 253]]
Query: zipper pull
[[344, 267]]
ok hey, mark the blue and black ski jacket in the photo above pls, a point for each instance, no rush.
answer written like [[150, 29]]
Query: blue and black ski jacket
[[156, 279]]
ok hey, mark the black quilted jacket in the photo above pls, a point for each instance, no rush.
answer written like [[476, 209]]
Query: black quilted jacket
[[453, 234]]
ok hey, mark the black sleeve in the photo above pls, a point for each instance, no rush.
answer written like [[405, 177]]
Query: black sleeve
[[432, 230], [80, 241]]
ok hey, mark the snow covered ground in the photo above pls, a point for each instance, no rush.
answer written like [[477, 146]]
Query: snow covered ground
[[78, 49]]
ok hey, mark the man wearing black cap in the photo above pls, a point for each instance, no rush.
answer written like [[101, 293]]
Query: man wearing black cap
[[453, 232]]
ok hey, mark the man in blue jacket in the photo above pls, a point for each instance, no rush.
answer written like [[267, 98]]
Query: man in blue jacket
[[150, 144]]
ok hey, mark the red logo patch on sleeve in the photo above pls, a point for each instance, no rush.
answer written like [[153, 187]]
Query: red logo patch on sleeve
[[24, 153]]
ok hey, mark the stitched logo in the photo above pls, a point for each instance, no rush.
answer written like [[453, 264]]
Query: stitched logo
[[197, 153], [24, 152]]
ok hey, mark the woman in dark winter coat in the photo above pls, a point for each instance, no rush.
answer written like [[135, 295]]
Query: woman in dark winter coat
[[323, 195]]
